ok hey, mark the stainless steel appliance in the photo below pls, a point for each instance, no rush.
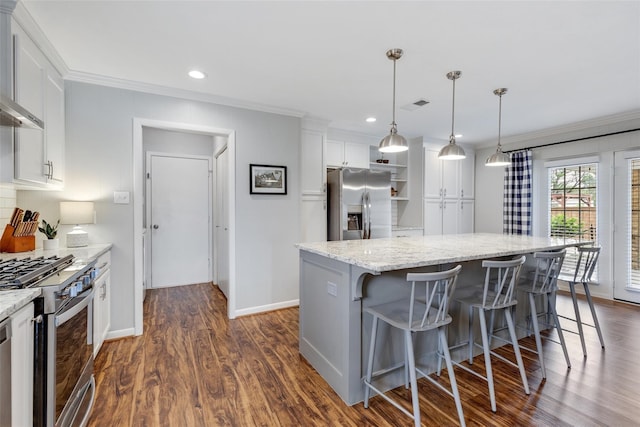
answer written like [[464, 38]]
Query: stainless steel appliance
[[5, 373], [359, 204], [64, 386]]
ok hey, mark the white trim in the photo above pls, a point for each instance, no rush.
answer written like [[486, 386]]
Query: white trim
[[571, 161], [120, 333], [138, 183], [268, 307], [177, 93], [553, 132]]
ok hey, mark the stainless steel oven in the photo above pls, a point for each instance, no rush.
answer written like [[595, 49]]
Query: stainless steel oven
[[64, 386], [68, 351], [70, 382]]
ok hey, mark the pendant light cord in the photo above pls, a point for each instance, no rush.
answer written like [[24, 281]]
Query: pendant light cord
[[393, 113], [499, 123], [453, 107]]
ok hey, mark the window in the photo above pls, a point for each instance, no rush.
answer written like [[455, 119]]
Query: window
[[573, 205]]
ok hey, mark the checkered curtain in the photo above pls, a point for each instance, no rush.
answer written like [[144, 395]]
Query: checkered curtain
[[516, 210]]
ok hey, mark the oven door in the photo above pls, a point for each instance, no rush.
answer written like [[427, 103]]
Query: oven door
[[70, 382]]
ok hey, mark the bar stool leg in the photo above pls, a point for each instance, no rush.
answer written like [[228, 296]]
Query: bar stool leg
[[536, 332], [593, 313], [508, 314], [487, 357], [372, 349], [578, 320], [556, 322], [452, 377], [471, 335], [413, 379]]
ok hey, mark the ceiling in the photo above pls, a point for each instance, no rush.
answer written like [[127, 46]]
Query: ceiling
[[563, 62]]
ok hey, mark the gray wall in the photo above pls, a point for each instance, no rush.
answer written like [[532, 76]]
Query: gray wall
[[99, 161]]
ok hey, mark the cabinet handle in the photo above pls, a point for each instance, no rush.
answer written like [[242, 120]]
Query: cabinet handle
[[441, 192], [51, 175], [445, 192], [462, 192]]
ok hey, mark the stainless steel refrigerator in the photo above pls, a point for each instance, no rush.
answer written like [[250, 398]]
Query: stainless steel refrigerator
[[359, 204]]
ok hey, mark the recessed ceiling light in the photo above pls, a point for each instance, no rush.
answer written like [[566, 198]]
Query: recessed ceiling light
[[371, 119], [196, 74]]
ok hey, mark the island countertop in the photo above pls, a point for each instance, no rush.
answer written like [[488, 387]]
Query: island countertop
[[396, 253]]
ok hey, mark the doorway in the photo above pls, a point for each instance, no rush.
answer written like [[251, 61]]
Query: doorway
[[218, 134], [179, 196], [626, 271]]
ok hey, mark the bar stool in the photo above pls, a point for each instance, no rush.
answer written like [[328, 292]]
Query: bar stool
[[587, 260], [544, 286], [412, 315], [498, 294]]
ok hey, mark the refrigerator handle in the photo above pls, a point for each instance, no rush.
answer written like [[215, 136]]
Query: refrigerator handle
[[365, 215], [368, 208]]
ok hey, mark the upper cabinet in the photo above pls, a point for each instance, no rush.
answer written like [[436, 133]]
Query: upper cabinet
[[347, 154], [451, 179], [38, 155]]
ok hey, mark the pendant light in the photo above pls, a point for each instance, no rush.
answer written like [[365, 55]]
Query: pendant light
[[452, 151], [499, 158], [393, 143]]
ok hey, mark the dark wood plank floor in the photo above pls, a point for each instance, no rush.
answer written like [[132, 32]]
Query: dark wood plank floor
[[193, 367]]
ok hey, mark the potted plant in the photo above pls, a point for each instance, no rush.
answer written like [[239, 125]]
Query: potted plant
[[51, 231]]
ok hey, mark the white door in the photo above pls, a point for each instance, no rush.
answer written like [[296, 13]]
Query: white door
[[180, 201], [222, 222], [450, 216], [626, 276]]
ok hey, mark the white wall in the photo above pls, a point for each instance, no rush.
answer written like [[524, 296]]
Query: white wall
[[99, 161], [489, 182]]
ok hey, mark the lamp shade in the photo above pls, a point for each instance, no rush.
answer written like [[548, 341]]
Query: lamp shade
[[452, 151], [393, 143], [498, 159], [77, 213]]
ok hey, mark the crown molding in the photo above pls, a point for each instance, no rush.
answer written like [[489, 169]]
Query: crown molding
[[29, 25], [101, 80], [616, 121]]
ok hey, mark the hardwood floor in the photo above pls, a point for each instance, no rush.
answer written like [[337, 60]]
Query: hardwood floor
[[194, 367]]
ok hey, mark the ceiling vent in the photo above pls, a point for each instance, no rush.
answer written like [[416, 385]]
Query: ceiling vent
[[415, 105]]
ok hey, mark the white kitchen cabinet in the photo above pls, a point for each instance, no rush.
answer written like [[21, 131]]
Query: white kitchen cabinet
[[102, 302], [38, 154], [313, 178], [347, 154], [466, 216], [448, 194], [312, 172], [22, 367]]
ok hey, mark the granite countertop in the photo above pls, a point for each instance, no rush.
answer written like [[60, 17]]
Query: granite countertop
[[378, 255], [14, 300], [82, 254]]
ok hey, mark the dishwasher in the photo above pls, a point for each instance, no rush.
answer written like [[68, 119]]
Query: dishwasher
[[5, 373]]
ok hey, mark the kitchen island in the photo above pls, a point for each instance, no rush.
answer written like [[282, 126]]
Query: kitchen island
[[339, 278]]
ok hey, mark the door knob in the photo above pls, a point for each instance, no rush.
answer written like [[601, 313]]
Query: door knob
[[155, 226]]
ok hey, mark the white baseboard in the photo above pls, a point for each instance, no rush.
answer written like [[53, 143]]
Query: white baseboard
[[121, 333], [268, 307]]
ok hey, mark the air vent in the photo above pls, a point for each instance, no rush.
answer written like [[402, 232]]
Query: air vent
[[415, 105]]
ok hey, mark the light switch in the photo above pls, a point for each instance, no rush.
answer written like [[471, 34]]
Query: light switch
[[121, 197]]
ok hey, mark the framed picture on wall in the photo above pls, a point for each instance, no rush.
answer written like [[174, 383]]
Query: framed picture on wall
[[267, 179]]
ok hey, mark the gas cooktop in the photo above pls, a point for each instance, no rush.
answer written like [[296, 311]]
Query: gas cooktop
[[27, 272]]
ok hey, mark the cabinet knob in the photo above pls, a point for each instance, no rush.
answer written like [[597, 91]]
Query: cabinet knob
[[156, 226]]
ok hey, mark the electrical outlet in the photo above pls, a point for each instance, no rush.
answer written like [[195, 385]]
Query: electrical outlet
[[332, 289]]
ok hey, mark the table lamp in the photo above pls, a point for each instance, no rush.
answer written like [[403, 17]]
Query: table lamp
[[77, 213]]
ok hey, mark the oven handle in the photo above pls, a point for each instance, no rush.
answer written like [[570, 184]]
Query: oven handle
[[85, 418], [72, 311]]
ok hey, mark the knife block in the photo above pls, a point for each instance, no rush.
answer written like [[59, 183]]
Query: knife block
[[11, 243]]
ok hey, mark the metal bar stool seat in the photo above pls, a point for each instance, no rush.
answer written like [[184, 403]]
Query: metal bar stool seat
[[498, 295], [426, 309], [587, 260], [543, 287]]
